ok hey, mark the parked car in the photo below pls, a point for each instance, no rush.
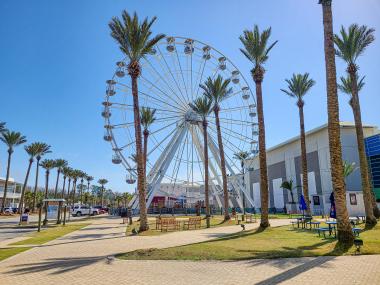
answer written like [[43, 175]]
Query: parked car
[[8, 210], [80, 210], [102, 210]]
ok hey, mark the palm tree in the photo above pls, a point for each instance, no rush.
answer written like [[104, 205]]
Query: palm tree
[[47, 164], [32, 150], [348, 168], [59, 164], [203, 107], [298, 86], [289, 185], [89, 179], [102, 182], [147, 119], [217, 90], [135, 41], [349, 46], [242, 156], [256, 49], [346, 87], [82, 176], [66, 174], [69, 175], [43, 149], [345, 235], [75, 174], [11, 140]]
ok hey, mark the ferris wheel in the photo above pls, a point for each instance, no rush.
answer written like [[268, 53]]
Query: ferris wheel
[[169, 81]]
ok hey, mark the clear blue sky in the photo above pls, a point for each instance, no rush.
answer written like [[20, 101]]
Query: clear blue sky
[[56, 55]]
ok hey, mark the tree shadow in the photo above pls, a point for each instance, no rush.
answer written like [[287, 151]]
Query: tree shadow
[[56, 265]]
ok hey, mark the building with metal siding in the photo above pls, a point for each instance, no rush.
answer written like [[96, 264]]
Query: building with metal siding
[[372, 145], [284, 163]]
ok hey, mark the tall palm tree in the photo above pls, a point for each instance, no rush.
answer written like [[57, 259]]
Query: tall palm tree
[[43, 149], [66, 174], [298, 86], [346, 87], [47, 164], [59, 164], [350, 45], [217, 90], [11, 140], [135, 41], [32, 150], [256, 49], [69, 175], [203, 107], [75, 174], [345, 235], [89, 179], [147, 119], [102, 182], [82, 176], [242, 156]]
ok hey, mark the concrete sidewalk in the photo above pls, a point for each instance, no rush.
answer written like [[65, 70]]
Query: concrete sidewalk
[[82, 257]]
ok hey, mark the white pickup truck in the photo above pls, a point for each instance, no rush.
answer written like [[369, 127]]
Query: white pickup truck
[[80, 210]]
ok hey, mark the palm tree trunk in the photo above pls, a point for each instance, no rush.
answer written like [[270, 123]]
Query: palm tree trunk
[[134, 72], [205, 150], [6, 181], [345, 235], [102, 201], [305, 182], [56, 184], [21, 205], [146, 134], [36, 184], [68, 191], [366, 186], [264, 223], [222, 165], [46, 196], [63, 187], [74, 190]]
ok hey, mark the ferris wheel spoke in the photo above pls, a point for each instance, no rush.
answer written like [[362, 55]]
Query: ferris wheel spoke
[[223, 129], [183, 79], [165, 81], [130, 107], [171, 73], [201, 77], [177, 163], [166, 95], [154, 98], [233, 109], [235, 121]]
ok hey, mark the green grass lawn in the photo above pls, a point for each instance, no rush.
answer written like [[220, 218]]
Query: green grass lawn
[[216, 221], [51, 234], [272, 243], [8, 252]]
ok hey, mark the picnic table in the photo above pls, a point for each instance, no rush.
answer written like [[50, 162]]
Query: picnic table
[[332, 226]]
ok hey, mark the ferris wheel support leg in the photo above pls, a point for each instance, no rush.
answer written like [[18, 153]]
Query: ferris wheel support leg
[[199, 148], [235, 183]]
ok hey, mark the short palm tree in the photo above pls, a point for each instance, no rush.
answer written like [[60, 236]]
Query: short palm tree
[[242, 156], [32, 150], [48, 165], [82, 176], [75, 174], [289, 185], [11, 140], [217, 90], [66, 175], [43, 149], [350, 45], [345, 235], [348, 168], [135, 41], [59, 164], [203, 107], [102, 182], [147, 119], [256, 49], [298, 86]]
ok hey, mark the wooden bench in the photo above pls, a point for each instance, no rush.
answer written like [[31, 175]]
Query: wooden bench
[[250, 218], [169, 224], [237, 219], [158, 223], [193, 222]]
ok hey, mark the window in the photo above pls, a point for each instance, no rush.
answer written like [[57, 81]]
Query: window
[[353, 200], [316, 201]]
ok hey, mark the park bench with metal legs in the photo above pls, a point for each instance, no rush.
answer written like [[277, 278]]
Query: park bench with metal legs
[[324, 230], [313, 225], [192, 222]]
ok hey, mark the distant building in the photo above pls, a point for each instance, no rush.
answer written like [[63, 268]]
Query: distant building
[[13, 192], [284, 163], [372, 144]]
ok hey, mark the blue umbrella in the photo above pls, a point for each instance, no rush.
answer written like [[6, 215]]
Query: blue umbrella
[[302, 203], [332, 209]]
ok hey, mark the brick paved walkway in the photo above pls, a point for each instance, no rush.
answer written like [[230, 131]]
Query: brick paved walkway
[[80, 258]]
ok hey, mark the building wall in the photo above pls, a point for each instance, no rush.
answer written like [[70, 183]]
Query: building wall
[[284, 163]]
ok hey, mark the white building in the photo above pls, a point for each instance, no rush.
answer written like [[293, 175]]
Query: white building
[[284, 163], [13, 192]]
